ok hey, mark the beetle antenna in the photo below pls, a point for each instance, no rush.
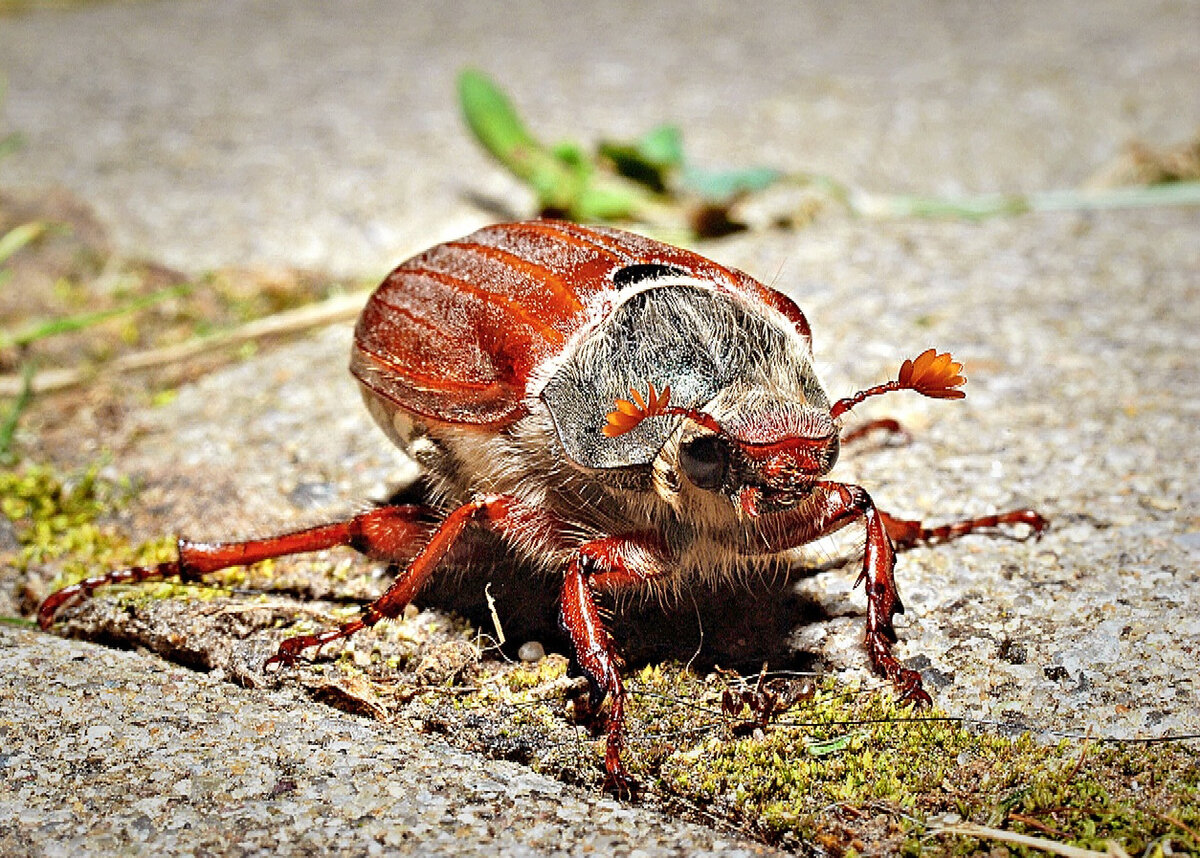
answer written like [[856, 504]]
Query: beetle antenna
[[931, 374], [631, 412]]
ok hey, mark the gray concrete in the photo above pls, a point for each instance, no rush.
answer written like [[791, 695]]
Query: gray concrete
[[213, 133], [133, 756]]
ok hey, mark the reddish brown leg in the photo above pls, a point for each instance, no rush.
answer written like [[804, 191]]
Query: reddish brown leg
[[906, 533], [495, 510], [386, 533], [883, 424], [605, 564], [835, 506]]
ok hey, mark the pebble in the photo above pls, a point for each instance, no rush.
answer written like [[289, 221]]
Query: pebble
[[531, 651]]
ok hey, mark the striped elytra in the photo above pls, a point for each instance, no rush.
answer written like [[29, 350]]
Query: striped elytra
[[454, 333]]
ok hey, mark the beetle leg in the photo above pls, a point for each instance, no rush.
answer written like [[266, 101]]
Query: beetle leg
[[883, 424], [605, 565], [906, 533], [499, 511], [384, 533], [833, 506]]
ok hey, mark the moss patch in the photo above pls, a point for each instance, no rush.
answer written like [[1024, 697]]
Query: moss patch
[[853, 762], [55, 519], [843, 770]]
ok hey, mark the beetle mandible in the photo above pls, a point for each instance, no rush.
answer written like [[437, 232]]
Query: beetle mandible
[[623, 413]]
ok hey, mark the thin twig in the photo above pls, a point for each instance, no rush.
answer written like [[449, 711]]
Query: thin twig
[[335, 309], [983, 832], [1087, 741], [1178, 823]]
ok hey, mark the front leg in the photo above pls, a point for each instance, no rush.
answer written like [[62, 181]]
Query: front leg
[[605, 565], [830, 507]]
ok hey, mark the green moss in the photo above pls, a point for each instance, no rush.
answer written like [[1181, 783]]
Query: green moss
[[147, 593], [55, 519], [852, 754], [847, 770], [523, 677], [61, 525], [844, 770]]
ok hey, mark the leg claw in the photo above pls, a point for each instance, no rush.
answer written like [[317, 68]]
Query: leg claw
[[620, 784], [288, 653], [909, 685]]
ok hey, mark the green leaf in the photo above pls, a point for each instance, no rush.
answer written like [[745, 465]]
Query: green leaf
[[663, 145], [493, 119], [829, 746], [602, 203], [724, 185], [496, 125], [650, 160]]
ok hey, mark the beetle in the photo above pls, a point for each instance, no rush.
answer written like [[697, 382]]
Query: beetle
[[624, 414]]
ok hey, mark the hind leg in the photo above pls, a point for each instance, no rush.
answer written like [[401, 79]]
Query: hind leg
[[385, 533]]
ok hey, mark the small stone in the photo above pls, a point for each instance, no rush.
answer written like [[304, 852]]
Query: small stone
[[531, 651], [1159, 503], [312, 494]]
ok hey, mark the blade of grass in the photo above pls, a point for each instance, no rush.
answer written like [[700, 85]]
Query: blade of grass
[[8, 428], [10, 143], [70, 324], [18, 237], [993, 205]]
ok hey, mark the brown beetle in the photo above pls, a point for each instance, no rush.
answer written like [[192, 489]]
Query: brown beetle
[[625, 414]]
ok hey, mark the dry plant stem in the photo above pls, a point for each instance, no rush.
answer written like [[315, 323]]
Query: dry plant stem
[[983, 832], [336, 309]]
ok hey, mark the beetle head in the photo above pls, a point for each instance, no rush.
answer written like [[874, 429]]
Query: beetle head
[[761, 453]]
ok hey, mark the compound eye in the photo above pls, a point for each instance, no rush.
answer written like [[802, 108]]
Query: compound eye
[[705, 461]]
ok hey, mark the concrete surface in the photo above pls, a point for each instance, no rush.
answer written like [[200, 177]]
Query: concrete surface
[[239, 132], [184, 763]]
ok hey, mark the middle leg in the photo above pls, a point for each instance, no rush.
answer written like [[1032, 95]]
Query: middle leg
[[499, 511]]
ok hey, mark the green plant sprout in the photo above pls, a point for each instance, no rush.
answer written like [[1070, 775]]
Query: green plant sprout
[[650, 181]]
